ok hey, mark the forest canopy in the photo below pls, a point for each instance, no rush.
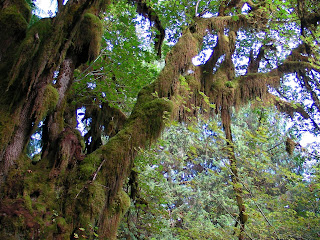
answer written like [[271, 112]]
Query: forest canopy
[[87, 92]]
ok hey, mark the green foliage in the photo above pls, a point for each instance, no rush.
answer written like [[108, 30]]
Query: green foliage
[[124, 65], [34, 17], [185, 190]]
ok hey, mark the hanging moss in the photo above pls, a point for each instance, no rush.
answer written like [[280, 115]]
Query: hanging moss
[[99, 198], [150, 110], [251, 87], [28, 49], [221, 22], [69, 152], [290, 146], [7, 124], [116, 211], [39, 55], [90, 204], [121, 203], [178, 62], [193, 83], [153, 112], [14, 19], [88, 38], [48, 104]]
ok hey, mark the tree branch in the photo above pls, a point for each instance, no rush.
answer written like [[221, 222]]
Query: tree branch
[[149, 13]]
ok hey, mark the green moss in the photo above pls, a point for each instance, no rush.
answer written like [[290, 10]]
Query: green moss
[[48, 230], [89, 165], [151, 110], [89, 36], [90, 203], [193, 82], [14, 19], [29, 48], [40, 207], [43, 28], [63, 227], [116, 211], [27, 202], [51, 98], [121, 203], [154, 115], [231, 84], [23, 8], [39, 201], [98, 193], [7, 124]]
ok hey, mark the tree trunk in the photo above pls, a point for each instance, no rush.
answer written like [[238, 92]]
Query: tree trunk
[[64, 192]]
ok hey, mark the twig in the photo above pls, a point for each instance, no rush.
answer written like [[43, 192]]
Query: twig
[[252, 198], [93, 178], [275, 146], [197, 5], [234, 218]]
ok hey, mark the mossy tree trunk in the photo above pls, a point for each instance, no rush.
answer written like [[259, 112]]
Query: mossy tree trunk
[[64, 191], [30, 93]]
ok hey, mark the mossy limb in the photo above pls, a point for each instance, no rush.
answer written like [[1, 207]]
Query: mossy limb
[[12, 22], [50, 100], [88, 38]]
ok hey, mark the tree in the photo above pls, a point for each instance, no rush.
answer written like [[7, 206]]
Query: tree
[[69, 189], [182, 187]]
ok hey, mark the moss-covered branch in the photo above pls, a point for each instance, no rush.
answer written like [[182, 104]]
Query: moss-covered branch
[[148, 12], [143, 126]]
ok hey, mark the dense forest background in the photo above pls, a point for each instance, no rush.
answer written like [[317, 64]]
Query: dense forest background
[[146, 119]]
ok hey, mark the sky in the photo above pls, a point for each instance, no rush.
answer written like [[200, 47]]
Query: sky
[[45, 6]]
